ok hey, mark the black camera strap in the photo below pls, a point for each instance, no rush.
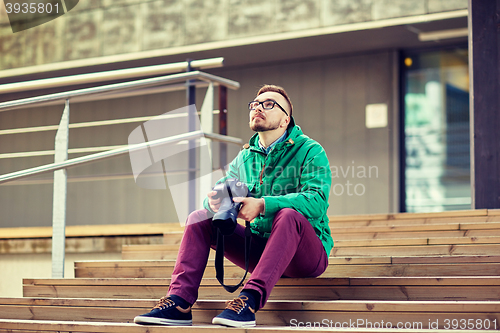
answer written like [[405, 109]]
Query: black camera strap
[[219, 258]]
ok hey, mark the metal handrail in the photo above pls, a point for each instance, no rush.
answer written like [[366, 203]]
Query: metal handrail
[[126, 93], [119, 74], [112, 153], [10, 105], [191, 79], [96, 123]]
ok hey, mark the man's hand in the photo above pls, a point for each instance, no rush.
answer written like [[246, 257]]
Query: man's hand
[[213, 203], [251, 207]]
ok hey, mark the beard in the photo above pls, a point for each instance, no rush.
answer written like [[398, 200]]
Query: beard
[[261, 127]]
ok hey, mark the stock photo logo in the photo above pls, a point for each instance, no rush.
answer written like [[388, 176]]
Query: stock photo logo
[[24, 14], [158, 166]]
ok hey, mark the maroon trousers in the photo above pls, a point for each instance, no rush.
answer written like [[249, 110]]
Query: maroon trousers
[[292, 250]]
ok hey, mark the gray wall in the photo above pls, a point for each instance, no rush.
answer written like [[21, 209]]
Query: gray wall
[[97, 28], [329, 97]]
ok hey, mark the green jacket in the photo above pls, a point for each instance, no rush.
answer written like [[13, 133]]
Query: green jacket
[[295, 174]]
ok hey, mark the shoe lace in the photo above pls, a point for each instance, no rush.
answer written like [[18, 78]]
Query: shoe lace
[[236, 304], [164, 302]]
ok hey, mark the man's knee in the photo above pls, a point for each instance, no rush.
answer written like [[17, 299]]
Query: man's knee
[[286, 216], [289, 213], [199, 216]]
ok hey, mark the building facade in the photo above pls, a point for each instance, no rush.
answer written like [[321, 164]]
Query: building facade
[[382, 85]]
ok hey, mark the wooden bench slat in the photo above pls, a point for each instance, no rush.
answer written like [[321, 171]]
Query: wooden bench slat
[[446, 259], [483, 226], [92, 230], [416, 221], [274, 313], [26, 326], [399, 228], [452, 213], [286, 292], [411, 270], [493, 212], [428, 250], [416, 234], [380, 242], [161, 228], [343, 250], [359, 306], [371, 270], [211, 262], [320, 281], [464, 240], [363, 217], [409, 216], [360, 260], [401, 235], [174, 239], [418, 241]]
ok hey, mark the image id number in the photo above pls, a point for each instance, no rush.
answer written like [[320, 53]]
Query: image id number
[[33, 7], [470, 324]]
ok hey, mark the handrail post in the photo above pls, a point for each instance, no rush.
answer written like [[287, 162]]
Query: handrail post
[[206, 168], [59, 196], [191, 100], [223, 124]]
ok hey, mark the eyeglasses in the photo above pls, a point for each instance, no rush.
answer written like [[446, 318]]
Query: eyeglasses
[[266, 105]]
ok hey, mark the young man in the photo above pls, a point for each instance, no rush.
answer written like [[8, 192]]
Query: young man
[[289, 177]]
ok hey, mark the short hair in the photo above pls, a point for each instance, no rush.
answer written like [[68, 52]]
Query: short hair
[[279, 90]]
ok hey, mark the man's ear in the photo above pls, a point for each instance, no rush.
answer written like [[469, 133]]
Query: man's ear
[[287, 121]]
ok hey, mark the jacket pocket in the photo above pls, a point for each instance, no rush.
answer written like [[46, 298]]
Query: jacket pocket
[[283, 186]]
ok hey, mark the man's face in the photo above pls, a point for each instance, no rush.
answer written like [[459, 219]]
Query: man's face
[[262, 120]]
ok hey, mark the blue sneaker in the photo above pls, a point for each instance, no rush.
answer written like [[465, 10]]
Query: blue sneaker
[[237, 314], [166, 312]]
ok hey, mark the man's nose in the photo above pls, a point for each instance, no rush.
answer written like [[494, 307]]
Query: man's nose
[[260, 108]]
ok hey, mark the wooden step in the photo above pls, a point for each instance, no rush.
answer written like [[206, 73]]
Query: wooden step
[[93, 230], [174, 238], [143, 269], [424, 250], [392, 238], [338, 267], [409, 234], [392, 247], [399, 226], [384, 223], [416, 221], [388, 235], [426, 230], [31, 326], [153, 251], [396, 226], [374, 288], [417, 241], [275, 313], [407, 216]]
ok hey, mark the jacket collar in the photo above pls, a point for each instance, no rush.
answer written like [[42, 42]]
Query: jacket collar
[[295, 135]]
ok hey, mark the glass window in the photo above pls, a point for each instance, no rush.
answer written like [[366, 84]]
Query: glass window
[[436, 131]]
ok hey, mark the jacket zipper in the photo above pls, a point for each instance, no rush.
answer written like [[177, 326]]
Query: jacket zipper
[[262, 173], [264, 167]]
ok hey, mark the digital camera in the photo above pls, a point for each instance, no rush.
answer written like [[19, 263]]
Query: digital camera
[[225, 218]]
